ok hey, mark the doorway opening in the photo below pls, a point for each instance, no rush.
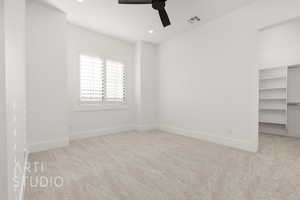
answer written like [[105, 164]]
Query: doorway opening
[[279, 79]]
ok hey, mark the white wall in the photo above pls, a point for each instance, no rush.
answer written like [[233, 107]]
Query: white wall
[[47, 94], [208, 76], [46, 116], [3, 159], [146, 85], [84, 122], [279, 45], [14, 30]]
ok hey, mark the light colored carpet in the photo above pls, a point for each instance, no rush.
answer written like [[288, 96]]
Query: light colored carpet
[[161, 166]]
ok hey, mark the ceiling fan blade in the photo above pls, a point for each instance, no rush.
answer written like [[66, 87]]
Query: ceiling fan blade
[[135, 1], [164, 17]]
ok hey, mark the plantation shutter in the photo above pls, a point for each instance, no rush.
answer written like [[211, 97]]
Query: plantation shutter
[[115, 81], [91, 79]]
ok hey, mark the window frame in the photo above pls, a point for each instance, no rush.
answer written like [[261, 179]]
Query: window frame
[[103, 105]]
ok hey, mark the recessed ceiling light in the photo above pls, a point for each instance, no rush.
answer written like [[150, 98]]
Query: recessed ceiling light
[[150, 31], [80, 1]]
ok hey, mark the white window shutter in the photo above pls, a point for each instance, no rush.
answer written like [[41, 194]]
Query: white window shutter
[[115, 81], [91, 79]]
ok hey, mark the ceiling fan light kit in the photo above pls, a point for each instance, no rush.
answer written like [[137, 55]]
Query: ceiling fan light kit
[[158, 5]]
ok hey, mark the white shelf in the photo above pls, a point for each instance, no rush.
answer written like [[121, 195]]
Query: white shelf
[[276, 88], [273, 109], [273, 122], [272, 99], [273, 96], [272, 78]]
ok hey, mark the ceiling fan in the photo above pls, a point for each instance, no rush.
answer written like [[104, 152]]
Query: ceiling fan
[[156, 4]]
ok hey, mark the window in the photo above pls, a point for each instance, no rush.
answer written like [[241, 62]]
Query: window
[[115, 78], [91, 79], [101, 81]]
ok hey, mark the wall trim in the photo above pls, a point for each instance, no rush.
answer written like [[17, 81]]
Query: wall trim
[[46, 145], [23, 183], [100, 132], [250, 146], [146, 127], [77, 135]]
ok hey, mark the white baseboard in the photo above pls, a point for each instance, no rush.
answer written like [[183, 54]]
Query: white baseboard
[[100, 132], [46, 145], [23, 183], [250, 146], [147, 127]]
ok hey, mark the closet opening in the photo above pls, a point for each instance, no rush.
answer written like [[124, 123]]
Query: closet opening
[[279, 80]]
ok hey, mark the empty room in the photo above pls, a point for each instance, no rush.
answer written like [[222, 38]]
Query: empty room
[[149, 100]]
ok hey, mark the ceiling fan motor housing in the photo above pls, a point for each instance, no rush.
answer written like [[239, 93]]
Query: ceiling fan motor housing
[[158, 4]]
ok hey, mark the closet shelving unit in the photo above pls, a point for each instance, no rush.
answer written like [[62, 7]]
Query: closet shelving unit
[[273, 99]]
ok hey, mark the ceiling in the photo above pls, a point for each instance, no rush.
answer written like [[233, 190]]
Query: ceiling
[[133, 22]]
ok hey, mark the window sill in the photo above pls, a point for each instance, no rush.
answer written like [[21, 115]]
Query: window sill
[[95, 108]]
